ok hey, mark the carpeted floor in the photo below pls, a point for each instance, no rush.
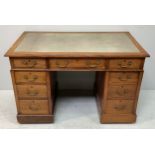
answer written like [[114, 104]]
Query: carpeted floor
[[78, 113]]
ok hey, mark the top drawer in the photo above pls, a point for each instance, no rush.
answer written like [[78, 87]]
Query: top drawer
[[126, 63], [29, 63]]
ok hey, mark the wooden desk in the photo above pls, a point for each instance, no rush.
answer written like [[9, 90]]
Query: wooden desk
[[115, 56]]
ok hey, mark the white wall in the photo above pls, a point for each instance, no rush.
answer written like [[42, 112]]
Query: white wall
[[145, 35]]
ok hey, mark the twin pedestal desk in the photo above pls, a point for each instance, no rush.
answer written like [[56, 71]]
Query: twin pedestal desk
[[116, 57]]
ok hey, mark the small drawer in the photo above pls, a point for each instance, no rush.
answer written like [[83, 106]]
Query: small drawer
[[125, 63], [122, 91], [32, 91], [120, 77], [119, 106], [77, 64], [33, 107], [29, 63], [30, 77]]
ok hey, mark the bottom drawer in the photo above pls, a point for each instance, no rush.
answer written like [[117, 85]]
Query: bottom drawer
[[35, 107], [119, 106]]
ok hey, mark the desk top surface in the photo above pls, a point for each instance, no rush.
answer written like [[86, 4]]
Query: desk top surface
[[77, 43]]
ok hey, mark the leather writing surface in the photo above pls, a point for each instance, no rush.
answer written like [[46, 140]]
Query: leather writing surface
[[76, 42]]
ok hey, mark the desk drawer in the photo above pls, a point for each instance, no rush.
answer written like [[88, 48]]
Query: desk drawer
[[77, 63], [122, 91], [119, 106], [120, 77], [30, 77], [29, 63], [125, 63], [32, 91], [33, 107]]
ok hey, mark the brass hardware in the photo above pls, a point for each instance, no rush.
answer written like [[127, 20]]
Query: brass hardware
[[122, 93], [121, 79], [124, 79], [120, 107], [35, 77], [93, 64], [32, 92], [66, 62], [29, 62], [124, 64], [34, 107]]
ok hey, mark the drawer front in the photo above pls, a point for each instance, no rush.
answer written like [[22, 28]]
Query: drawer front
[[32, 91], [31, 107], [125, 63], [127, 77], [29, 63], [122, 91], [77, 63], [119, 106], [30, 77]]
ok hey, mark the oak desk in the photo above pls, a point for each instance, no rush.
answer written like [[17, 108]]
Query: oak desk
[[116, 58]]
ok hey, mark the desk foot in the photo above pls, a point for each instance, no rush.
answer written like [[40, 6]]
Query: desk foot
[[124, 118], [28, 119]]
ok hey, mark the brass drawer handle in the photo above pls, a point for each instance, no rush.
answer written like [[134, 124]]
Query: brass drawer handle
[[32, 93], [121, 79], [65, 64], [30, 63], [124, 79], [93, 64], [120, 107], [35, 77], [122, 92], [34, 107], [124, 64]]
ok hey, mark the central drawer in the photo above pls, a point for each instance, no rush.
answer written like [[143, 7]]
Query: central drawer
[[58, 64], [32, 91]]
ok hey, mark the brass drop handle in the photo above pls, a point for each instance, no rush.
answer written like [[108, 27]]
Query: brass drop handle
[[65, 63], [30, 63], [33, 107], [120, 107], [121, 79], [32, 92], [125, 64], [124, 92], [35, 77], [124, 79], [92, 64]]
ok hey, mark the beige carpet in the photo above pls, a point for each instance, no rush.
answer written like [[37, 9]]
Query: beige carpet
[[78, 113]]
